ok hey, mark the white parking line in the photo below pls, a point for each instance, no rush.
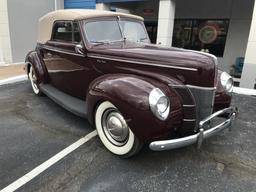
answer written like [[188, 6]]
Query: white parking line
[[39, 169], [13, 79]]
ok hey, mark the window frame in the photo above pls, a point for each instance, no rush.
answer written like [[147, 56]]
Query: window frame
[[73, 33], [72, 26]]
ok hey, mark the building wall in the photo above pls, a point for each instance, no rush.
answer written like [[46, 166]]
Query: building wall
[[23, 23], [137, 7], [5, 46], [59, 4], [150, 4], [248, 79], [238, 11]]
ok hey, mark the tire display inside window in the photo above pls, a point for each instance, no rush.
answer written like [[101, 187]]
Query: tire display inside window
[[207, 35]]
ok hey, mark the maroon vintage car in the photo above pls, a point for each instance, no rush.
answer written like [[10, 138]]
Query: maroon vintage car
[[101, 66]]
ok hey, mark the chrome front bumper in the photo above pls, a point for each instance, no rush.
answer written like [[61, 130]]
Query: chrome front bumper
[[201, 135]]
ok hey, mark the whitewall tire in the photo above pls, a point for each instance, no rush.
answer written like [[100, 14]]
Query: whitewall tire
[[33, 81], [113, 131]]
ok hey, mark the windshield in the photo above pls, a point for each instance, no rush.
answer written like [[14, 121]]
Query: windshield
[[100, 31], [133, 31], [112, 30]]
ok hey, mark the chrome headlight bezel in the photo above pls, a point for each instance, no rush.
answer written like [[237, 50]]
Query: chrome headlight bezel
[[159, 104], [227, 82]]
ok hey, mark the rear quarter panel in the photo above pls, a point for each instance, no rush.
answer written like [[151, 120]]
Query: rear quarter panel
[[35, 60]]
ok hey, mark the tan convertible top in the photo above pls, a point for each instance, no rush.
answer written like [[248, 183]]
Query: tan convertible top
[[46, 22]]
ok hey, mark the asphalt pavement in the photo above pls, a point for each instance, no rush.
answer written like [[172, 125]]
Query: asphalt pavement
[[33, 129]]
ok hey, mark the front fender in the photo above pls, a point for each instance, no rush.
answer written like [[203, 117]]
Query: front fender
[[129, 93], [222, 99], [38, 65]]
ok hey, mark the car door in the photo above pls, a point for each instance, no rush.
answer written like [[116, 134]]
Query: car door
[[69, 71]]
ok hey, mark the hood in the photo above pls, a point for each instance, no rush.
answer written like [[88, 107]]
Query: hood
[[189, 67]]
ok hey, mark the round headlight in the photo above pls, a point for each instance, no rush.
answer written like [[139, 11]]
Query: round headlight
[[226, 82], [159, 104]]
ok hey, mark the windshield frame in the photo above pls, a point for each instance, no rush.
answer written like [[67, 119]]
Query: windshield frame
[[89, 44]]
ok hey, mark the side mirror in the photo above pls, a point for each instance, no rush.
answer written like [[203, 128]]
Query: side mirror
[[79, 49]]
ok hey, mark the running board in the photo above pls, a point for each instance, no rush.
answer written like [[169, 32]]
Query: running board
[[72, 104]]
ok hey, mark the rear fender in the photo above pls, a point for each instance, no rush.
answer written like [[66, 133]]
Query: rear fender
[[35, 60]]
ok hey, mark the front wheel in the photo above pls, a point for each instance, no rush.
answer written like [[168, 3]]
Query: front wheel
[[114, 132]]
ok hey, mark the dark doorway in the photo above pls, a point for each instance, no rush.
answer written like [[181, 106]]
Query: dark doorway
[[151, 27]]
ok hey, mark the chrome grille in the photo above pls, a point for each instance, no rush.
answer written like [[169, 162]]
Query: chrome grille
[[204, 98], [197, 104]]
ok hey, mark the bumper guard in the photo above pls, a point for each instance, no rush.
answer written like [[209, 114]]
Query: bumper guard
[[201, 135]]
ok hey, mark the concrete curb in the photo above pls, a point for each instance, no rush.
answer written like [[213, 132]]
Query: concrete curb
[[13, 79], [244, 91], [12, 64]]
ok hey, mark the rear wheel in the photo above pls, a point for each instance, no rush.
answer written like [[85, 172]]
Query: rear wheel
[[33, 81], [114, 132]]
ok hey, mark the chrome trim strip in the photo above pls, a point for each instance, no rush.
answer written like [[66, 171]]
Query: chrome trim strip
[[177, 86], [189, 120], [200, 87], [59, 51], [213, 99], [142, 63], [192, 86], [198, 137], [64, 71], [188, 106]]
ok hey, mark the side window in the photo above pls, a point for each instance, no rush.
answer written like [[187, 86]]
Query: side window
[[62, 31], [77, 37]]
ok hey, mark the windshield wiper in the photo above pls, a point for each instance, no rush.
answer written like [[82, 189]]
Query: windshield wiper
[[105, 42], [100, 42], [142, 39]]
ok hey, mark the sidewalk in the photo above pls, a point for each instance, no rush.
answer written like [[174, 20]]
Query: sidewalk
[[8, 71]]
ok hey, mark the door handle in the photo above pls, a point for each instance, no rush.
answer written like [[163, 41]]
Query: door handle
[[101, 61], [49, 54]]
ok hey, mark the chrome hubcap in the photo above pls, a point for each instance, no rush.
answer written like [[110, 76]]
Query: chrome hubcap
[[115, 127]]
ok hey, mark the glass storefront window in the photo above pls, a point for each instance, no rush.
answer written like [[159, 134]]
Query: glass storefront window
[[207, 35], [151, 28]]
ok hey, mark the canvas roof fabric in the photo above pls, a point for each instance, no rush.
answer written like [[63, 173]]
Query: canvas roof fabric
[[46, 22]]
